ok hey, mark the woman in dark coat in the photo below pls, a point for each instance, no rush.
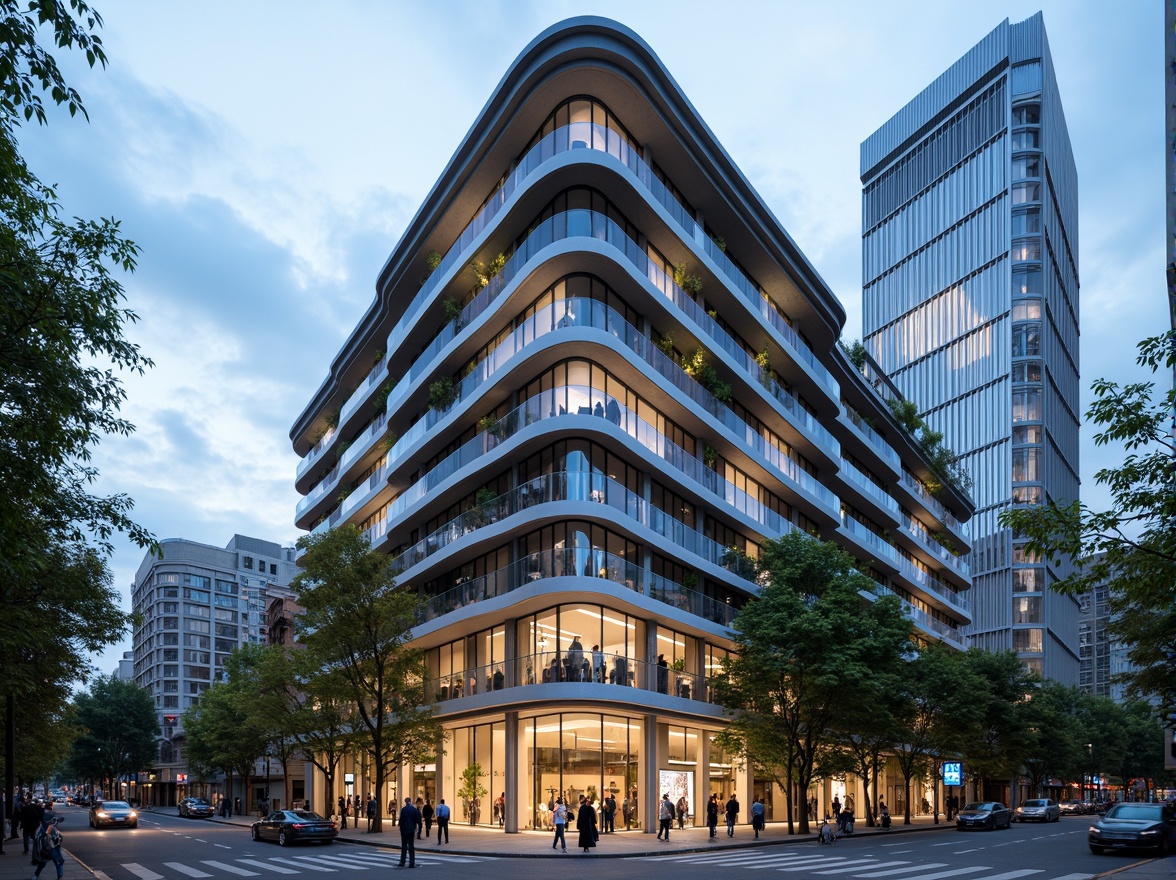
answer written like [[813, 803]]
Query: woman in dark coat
[[586, 824]]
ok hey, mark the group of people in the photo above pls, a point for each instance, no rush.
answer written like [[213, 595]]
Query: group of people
[[416, 817], [585, 824], [226, 808], [38, 830]]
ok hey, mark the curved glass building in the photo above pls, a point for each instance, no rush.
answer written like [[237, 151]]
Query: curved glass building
[[596, 375]]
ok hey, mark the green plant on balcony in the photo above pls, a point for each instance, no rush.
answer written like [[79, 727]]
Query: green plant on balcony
[[378, 357], [432, 261], [710, 456], [452, 309], [343, 446], [487, 423], [484, 272], [946, 466], [332, 418], [856, 352], [664, 344], [380, 399], [691, 284], [345, 492], [943, 539], [740, 563], [679, 665], [389, 441], [442, 393], [720, 243], [690, 581], [701, 370], [763, 360]]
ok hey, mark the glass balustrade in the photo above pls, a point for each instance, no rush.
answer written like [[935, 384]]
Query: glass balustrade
[[869, 487], [922, 618], [872, 436], [567, 667], [935, 506]]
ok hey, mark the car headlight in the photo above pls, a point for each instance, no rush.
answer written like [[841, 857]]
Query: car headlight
[[1095, 831], [101, 815], [1150, 832], [134, 815]]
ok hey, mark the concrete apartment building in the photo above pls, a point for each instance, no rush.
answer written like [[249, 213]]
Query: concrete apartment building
[[198, 603], [574, 448], [970, 305]]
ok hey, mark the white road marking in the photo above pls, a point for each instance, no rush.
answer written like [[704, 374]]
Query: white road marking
[[184, 869], [905, 870], [222, 846], [232, 869], [841, 863], [304, 865], [960, 852], [141, 872], [266, 866], [101, 875], [1012, 875], [1074, 877], [198, 840], [954, 873], [332, 860], [874, 865]]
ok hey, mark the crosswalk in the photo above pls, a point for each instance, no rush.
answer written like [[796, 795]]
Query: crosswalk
[[827, 863], [289, 863]]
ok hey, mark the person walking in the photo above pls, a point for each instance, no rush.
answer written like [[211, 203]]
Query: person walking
[[586, 824], [500, 809], [420, 808], [427, 814], [712, 814], [47, 846], [372, 809], [14, 816], [559, 818], [442, 815], [758, 812], [342, 812], [626, 813], [30, 822], [665, 816], [663, 674], [237, 807], [410, 824], [680, 810], [732, 811]]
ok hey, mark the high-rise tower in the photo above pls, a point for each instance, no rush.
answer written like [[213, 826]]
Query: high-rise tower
[[970, 305]]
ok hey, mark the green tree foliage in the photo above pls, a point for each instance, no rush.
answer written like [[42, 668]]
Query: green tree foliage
[[945, 464], [471, 789], [1056, 736], [1132, 544], [118, 731], [222, 732], [1000, 744], [935, 712], [44, 729], [357, 623], [806, 650], [62, 347]]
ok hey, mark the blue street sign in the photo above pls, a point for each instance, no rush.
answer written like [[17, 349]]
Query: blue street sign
[[953, 773]]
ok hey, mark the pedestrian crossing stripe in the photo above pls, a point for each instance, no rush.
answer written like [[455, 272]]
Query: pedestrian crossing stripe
[[232, 869], [305, 865], [141, 872], [265, 866], [864, 869], [181, 868]]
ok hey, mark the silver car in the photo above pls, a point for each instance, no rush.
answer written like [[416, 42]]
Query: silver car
[[1038, 810]]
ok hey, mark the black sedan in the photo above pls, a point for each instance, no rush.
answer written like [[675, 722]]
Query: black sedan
[[292, 826], [1135, 826], [113, 813], [195, 808], [988, 815]]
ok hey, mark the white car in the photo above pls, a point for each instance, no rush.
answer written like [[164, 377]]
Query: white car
[[1038, 810]]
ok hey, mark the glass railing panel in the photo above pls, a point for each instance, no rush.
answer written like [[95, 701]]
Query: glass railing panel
[[869, 486], [872, 436], [870, 538]]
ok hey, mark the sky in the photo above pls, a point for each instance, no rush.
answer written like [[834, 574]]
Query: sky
[[266, 157]]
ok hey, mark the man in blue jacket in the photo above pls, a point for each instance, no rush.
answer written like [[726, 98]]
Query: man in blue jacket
[[410, 821]]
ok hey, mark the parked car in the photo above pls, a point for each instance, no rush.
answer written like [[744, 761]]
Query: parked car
[[1071, 807], [113, 813], [989, 815], [195, 808], [292, 826], [1135, 826], [1038, 810]]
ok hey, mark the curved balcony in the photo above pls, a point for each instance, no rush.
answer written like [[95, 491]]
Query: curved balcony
[[954, 565], [867, 538], [573, 486], [869, 492], [935, 628], [924, 499], [595, 137], [915, 576], [570, 562], [581, 223], [569, 667], [870, 441]]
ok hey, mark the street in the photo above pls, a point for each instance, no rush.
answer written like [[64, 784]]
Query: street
[[166, 847]]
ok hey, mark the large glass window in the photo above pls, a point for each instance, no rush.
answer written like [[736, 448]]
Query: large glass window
[[1027, 609], [577, 754], [1028, 139], [1028, 249], [1028, 580], [581, 643], [1027, 464], [1027, 639], [1027, 114], [1027, 371], [1026, 192], [1026, 222], [1027, 406], [1026, 339], [1026, 166]]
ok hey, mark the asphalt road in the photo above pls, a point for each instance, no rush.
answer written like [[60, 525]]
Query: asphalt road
[[166, 847]]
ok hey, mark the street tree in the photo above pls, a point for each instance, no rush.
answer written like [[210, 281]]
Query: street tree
[[221, 734], [62, 353], [118, 731], [1055, 745], [936, 713], [806, 647], [1002, 739], [1132, 544], [356, 626]]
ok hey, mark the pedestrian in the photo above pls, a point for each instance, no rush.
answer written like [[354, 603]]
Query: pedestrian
[[597, 664], [665, 815], [343, 812], [410, 825], [14, 816], [758, 813], [420, 808], [836, 806], [680, 811], [500, 809], [846, 824], [712, 814], [47, 846], [663, 674], [812, 808], [30, 822], [586, 824], [442, 815], [427, 814], [610, 812], [626, 813], [884, 814], [372, 809], [559, 818], [237, 807], [732, 811]]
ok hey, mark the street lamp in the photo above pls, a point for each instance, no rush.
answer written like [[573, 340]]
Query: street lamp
[[1090, 760]]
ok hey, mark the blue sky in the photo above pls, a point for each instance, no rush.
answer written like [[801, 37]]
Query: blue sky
[[266, 157]]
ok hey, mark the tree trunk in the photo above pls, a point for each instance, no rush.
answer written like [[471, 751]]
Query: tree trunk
[[906, 797]]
